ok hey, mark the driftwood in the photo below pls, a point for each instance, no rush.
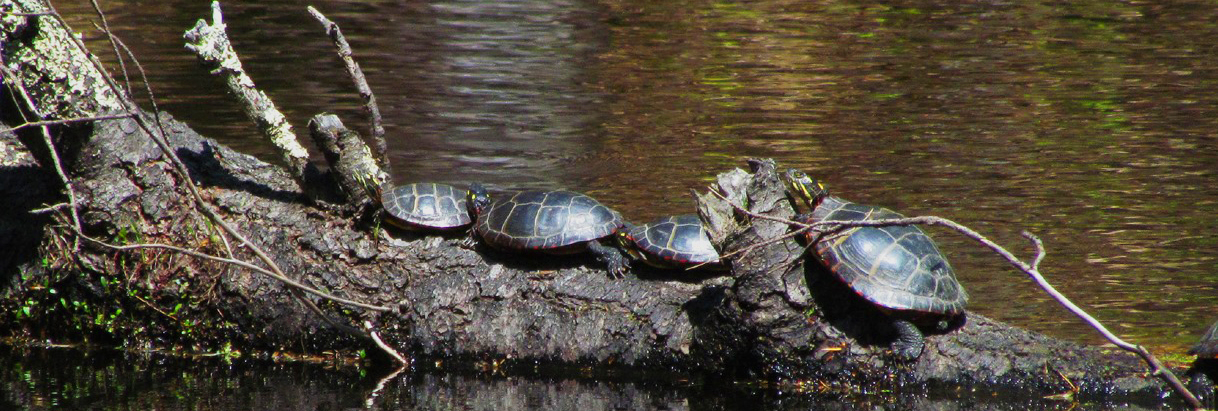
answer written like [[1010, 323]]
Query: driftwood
[[773, 318]]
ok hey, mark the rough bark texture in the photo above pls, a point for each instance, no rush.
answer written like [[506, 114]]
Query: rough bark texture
[[771, 318]]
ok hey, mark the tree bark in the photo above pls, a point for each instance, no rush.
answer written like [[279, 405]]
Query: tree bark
[[773, 317]]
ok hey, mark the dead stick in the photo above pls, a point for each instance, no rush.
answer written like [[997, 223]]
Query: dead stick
[[377, 338], [65, 121], [239, 263], [46, 138], [163, 145], [105, 28], [211, 44], [177, 163], [374, 113], [228, 249]]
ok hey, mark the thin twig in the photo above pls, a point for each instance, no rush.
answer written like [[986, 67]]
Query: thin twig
[[65, 121], [105, 28], [240, 263], [181, 170], [46, 138], [377, 338], [744, 252], [163, 145], [50, 209], [357, 76], [154, 307], [228, 249]]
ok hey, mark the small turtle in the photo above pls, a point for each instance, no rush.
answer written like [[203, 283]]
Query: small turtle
[[427, 206], [670, 242], [552, 222], [1207, 348], [897, 268]]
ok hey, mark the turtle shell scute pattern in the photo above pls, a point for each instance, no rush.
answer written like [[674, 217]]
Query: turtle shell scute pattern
[[427, 205], [544, 220], [897, 267], [676, 239]]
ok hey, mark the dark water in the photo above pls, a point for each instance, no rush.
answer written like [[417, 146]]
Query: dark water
[[1091, 124], [59, 379]]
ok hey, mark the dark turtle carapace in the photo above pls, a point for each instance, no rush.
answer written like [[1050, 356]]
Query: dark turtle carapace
[[426, 206], [671, 242], [553, 222], [897, 268]]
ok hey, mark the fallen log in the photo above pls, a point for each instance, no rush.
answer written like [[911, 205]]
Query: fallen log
[[773, 318]]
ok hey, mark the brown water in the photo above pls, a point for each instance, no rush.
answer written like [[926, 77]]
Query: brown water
[[1091, 124]]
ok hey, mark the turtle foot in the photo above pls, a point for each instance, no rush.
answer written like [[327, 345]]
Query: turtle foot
[[612, 257], [909, 343]]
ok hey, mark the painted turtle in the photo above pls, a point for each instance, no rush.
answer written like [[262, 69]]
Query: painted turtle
[[552, 222], [670, 242], [897, 268], [426, 206], [1207, 348]]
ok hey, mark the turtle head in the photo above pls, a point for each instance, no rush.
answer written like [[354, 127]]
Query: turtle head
[[478, 199], [804, 188], [626, 242], [373, 185]]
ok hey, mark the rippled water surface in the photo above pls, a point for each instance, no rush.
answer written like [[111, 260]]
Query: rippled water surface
[[1091, 124]]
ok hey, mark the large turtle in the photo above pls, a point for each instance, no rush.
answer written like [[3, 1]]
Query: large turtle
[[553, 222], [671, 242], [898, 268]]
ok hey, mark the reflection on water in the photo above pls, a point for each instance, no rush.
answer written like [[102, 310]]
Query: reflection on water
[[69, 380], [1090, 124]]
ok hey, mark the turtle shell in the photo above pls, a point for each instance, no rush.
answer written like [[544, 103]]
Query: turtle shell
[[896, 267], [675, 241], [553, 221], [1208, 346], [426, 206]]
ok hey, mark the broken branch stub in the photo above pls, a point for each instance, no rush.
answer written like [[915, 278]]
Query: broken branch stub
[[354, 169], [210, 43]]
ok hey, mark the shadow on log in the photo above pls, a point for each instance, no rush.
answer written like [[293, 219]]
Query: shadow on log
[[773, 318]]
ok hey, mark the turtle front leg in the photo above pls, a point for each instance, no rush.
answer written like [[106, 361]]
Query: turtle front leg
[[611, 257], [909, 343]]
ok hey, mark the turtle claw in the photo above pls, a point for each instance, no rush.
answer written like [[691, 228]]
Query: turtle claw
[[612, 257], [469, 242], [618, 269]]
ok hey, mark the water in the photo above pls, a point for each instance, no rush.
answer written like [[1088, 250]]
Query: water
[[1090, 124]]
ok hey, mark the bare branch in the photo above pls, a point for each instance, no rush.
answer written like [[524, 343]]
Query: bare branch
[[105, 28], [16, 84], [374, 113], [210, 43], [202, 205], [243, 264], [377, 338], [66, 121]]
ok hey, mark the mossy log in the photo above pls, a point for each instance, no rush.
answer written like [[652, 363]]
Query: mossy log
[[771, 318]]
